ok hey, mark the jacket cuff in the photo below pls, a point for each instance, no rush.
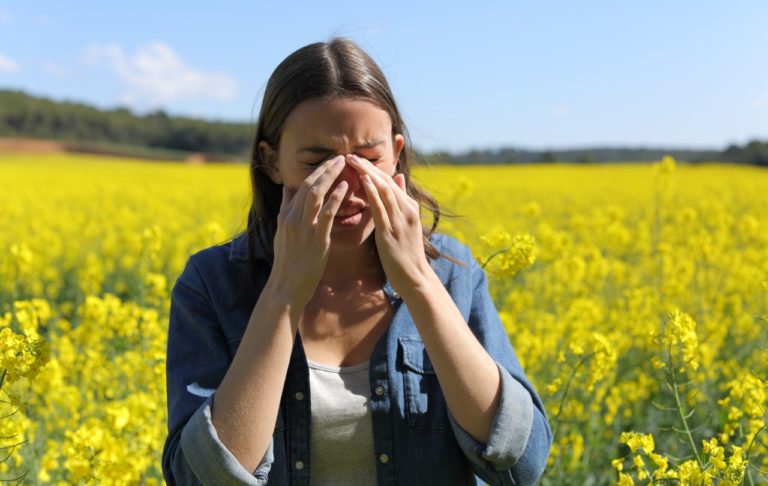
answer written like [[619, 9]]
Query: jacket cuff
[[510, 428], [209, 458]]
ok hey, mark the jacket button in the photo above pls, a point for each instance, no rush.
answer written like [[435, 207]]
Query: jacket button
[[379, 390], [383, 458], [299, 396], [395, 295], [299, 464]]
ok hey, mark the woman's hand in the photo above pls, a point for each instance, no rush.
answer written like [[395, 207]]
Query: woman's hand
[[399, 236], [303, 236]]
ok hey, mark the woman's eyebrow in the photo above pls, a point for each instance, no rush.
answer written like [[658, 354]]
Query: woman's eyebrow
[[318, 149]]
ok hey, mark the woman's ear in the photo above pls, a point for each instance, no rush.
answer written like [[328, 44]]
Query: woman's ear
[[269, 156], [397, 144]]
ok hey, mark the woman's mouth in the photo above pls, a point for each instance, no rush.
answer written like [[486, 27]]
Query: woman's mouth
[[349, 217]]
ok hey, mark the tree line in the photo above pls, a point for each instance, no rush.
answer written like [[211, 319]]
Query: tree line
[[22, 115], [87, 128]]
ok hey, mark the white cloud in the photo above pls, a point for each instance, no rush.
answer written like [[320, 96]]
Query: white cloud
[[156, 74], [7, 65], [761, 101]]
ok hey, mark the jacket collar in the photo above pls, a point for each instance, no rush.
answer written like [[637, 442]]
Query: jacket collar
[[239, 245]]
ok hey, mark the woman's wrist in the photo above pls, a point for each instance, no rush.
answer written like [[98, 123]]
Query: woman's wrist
[[420, 284], [283, 299]]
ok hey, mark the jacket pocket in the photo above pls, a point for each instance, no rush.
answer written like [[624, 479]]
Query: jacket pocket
[[425, 406]]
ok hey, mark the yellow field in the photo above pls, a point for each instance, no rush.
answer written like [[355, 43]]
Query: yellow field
[[635, 296]]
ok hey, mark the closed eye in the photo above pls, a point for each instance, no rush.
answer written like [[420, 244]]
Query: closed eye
[[320, 162]]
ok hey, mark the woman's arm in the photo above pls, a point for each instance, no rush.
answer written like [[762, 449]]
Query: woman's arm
[[237, 422], [468, 376], [509, 444], [246, 403], [197, 360], [485, 387]]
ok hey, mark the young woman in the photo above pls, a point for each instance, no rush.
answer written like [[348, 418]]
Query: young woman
[[336, 341]]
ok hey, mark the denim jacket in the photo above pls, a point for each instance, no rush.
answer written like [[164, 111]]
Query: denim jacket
[[416, 439]]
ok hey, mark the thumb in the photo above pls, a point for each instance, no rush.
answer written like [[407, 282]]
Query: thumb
[[400, 181], [286, 198]]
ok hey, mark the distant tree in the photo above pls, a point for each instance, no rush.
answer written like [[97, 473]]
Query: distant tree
[[548, 157], [586, 158], [755, 152], [22, 115]]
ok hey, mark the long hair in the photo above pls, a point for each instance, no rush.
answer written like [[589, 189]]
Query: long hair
[[335, 69]]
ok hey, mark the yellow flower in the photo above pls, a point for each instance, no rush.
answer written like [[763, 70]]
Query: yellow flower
[[508, 254], [690, 473], [636, 441], [21, 355], [680, 336], [611, 249], [665, 166], [716, 454], [625, 480]]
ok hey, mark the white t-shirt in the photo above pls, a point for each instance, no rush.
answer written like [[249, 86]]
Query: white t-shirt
[[341, 444]]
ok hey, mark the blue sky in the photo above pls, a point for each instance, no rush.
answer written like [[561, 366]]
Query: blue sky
[[547, 74]]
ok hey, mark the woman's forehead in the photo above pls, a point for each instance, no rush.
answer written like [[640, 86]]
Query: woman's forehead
[[347, 123]]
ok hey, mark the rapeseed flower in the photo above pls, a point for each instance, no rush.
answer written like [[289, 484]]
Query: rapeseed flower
[[590, 260]]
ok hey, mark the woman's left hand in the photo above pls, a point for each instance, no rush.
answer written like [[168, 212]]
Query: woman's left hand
[[399, 237]]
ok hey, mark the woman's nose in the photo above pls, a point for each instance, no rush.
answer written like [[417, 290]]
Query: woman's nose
[[349, 174]]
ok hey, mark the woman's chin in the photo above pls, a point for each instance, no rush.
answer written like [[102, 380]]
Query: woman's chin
[[351, 238]]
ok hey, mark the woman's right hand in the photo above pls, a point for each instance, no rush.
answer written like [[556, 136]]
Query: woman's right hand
[[303, 236]]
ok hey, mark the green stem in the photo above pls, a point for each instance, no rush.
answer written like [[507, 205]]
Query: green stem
[[565, 393], [682, 414], [747, 474], [494, 255]]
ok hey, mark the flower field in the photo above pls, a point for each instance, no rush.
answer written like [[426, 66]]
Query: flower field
[[636, 297]]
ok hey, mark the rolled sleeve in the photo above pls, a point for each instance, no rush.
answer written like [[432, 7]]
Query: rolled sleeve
[[210, 459], [510, 428], [520, 437], [197, 360]]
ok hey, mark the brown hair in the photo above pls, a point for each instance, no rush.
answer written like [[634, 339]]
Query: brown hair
[[338, 68]]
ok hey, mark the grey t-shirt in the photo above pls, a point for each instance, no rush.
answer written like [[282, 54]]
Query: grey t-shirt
[[341, 446]]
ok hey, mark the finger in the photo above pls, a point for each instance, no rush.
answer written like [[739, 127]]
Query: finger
[[402, 193], [286, 198], [384, 185], [311, 178], [286, 203], [400, 181], [331, 207], [316, 194], [379, 212], [383, 182], [314, 188], [364, 166]]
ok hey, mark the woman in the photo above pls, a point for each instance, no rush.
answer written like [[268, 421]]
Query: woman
[[336, 341]]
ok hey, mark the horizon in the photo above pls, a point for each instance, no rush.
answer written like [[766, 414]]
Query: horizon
[[459, 152], [528, 76]]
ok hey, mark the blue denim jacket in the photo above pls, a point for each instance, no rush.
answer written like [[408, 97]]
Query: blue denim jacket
[[416, 439]]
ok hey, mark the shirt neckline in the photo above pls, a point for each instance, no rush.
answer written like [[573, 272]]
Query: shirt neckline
[[338, 369]]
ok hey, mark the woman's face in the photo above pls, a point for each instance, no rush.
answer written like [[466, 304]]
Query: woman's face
[[319, 129]]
